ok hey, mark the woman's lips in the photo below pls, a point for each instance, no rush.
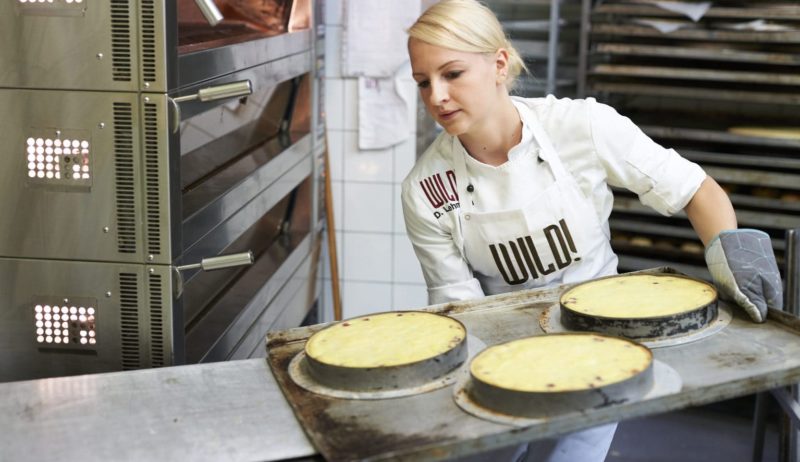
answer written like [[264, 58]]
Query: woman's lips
[[448, 115]]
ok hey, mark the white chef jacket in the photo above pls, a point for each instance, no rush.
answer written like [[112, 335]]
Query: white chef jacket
[[599, 147]]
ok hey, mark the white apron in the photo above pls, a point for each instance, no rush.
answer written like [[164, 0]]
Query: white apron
[[556, 238]]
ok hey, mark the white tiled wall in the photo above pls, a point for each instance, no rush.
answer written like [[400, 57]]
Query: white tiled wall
[[378, 270]]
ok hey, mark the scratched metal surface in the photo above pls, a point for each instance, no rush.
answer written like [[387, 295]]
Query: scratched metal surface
[[741, 359]]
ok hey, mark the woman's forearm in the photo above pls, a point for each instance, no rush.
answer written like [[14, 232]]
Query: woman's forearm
[[710, 211]]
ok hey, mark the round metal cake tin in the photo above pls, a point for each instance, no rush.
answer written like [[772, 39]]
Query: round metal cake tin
[[358, 379], [550, 322], [537, 403], [298, 371], [666, 381], [644, 327]]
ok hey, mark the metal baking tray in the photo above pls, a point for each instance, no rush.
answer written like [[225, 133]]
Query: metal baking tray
[[741, 359]]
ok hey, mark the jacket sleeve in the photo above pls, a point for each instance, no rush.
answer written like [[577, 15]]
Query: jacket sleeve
[[661, 178], [446, 272]]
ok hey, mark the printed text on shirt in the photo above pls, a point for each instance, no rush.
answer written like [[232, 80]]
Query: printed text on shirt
[[524, 261]]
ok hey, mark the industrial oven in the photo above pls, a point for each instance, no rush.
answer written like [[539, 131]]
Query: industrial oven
[[140, 139]]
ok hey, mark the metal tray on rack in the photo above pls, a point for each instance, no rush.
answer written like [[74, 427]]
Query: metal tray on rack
[[741, 359]]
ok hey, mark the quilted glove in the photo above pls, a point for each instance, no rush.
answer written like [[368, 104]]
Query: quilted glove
[[743, 266]]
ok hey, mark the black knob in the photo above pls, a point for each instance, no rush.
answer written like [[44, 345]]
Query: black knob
[[470, 188]]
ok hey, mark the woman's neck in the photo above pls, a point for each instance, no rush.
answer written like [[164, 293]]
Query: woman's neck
[[492, 141]]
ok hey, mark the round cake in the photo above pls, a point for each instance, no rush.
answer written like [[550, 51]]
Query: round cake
[[784, 133], [640, 306], [555, 373], [386, 350]]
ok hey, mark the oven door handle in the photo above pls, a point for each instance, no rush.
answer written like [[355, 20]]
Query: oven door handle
[[210, 264], [212, 93], [210, 11]]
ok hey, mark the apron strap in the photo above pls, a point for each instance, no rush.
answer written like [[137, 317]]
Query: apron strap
[[547, 152]]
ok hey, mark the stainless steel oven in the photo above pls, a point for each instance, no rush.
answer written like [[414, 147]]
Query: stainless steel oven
[[139, 138]]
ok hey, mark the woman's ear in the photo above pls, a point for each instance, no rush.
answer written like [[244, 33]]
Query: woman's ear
[[501, 64]]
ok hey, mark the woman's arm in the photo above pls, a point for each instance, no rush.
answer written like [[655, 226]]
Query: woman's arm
[[447, 274], [710, 211], [741, 262]]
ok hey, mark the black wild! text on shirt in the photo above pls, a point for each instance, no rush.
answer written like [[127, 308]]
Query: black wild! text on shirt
[[527, 256]]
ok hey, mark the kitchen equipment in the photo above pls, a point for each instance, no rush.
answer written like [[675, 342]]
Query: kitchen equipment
[[640, 306], [543, 375], [738, 360], [143, 137], [249, 404], [382, 355]]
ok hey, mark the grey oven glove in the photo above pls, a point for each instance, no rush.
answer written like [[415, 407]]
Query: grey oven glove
[[743, 266]]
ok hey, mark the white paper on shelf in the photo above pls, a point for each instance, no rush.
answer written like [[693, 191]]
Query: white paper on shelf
[[692, 10], [663, 25], [759, 25]]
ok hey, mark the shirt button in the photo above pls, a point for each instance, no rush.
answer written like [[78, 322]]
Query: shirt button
[[466, 217]]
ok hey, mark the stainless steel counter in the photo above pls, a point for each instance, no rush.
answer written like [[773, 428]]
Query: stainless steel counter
[[217, 412], [236, 410]]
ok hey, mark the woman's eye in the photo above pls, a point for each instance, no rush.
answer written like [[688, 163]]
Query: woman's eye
[[453, 74], [423, 84]]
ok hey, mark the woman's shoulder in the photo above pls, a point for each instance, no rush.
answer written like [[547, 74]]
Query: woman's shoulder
[[550, 107]]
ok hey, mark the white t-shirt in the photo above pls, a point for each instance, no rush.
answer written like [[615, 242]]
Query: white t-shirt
[[597, 146]]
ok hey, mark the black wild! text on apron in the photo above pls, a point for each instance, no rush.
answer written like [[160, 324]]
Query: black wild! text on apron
[[527, 257]]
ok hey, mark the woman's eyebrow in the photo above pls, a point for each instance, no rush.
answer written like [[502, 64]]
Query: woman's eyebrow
[[440, 67]]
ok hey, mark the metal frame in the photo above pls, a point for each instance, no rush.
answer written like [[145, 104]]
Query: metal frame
[[788, 398]]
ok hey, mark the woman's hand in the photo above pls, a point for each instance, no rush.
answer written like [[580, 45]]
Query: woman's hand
[[743, 265], [741, 262]]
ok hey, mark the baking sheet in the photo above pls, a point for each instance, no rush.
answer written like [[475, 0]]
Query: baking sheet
[[741, 359]]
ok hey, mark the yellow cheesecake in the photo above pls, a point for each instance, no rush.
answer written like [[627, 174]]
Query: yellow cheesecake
[[638, 296], [385, 340], [559, 363], [786, 133]]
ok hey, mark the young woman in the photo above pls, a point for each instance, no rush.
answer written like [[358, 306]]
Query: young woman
[[514, 194]]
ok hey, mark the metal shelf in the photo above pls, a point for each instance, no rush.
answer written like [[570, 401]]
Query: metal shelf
[[751, 160], [746, 218], [783, 12], [691, 93], [716, 136], [545, 32], [679, 73], [723, 53], [782, 38]]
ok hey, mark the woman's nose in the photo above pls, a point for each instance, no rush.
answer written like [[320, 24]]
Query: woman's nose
[[439, 94]]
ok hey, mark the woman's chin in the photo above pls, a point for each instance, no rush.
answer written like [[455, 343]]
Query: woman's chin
[[453, 129]]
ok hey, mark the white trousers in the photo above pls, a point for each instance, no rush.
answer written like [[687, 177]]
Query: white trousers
[[590, 445]]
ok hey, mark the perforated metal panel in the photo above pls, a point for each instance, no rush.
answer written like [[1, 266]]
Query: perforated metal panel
[[93, 216], [125, 178], [77, 46], [129, 320], [124, 308], [121, 43]]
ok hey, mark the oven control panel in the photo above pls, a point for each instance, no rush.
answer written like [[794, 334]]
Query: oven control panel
[[66, 323]]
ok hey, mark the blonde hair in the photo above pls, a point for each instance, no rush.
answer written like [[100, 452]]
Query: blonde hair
[[466, 25]]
